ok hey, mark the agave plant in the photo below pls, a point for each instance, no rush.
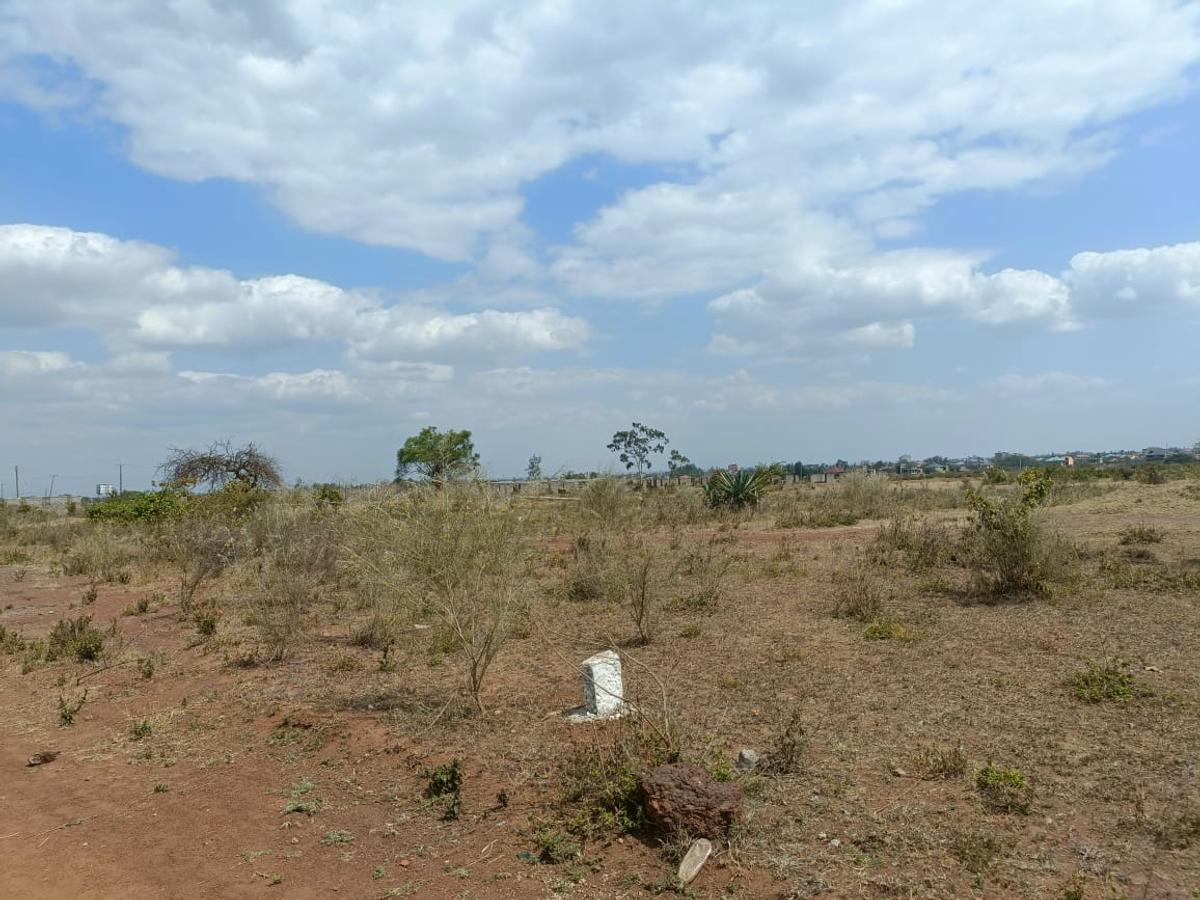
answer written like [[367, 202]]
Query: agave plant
[[741, 489]]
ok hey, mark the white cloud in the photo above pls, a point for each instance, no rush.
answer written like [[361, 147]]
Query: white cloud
[[873, 303], [444, 110], [133, 294], [14, 363], [1049, 382], [419, 331], [1127, 282]]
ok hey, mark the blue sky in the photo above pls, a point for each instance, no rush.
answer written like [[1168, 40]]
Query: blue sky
[[777, 232]]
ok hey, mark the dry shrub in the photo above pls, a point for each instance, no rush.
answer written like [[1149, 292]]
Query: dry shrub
[[675, 505], [197, 548], [295, 551], [860, 598], [704, 570], [604, 502], [100, 554], [643, 567], [593, 573], [458, 555], [924, 544]]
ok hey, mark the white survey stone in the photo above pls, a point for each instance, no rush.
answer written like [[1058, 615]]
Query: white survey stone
[[696, 857], [603, 689]]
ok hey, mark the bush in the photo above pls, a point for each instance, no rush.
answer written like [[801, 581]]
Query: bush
[[126, 509], [295, 551], [1141, 534], [75, 639], [603, 501], [100, 554], [860, 599], [457, 554], [1010, 551], [198, 548]]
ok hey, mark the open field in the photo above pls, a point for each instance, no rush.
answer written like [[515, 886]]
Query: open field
[[274, 724]]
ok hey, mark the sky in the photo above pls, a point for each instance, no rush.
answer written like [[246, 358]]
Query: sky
[[774, 230]]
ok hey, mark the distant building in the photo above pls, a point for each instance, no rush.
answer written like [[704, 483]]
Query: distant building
[[104, 490]]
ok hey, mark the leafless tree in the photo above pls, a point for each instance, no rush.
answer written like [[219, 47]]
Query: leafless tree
[[220, 464]]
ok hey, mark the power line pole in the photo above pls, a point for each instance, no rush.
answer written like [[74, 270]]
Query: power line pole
[[17, 473], [50, 490], [120, 479]]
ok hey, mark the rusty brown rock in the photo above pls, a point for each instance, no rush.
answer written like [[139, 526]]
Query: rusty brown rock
[[684, 799]]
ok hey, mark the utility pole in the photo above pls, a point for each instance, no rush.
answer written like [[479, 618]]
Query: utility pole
[[120, 479], [17, 473], [50, 490]]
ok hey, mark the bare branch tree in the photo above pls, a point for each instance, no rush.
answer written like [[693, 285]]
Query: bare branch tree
[[220, 464]]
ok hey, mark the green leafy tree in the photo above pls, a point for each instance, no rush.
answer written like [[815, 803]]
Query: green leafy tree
[[678, 464], [437, 456], [533, 471], [635, 446]]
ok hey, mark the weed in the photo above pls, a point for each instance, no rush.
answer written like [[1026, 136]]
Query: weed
[[1180, 832], [690, 631], [1106, 679], [139, 608], [891, 630], [338, 836], [68, 709], [554, 845], [1142, 534], [860, 599], [783, 754], [145, 668], [445, 788], [140, 730], [934, 763], [75, 639], [1003, 790], [162, 788], [976, 850], [99, 553], [600, 777], [90, 595]]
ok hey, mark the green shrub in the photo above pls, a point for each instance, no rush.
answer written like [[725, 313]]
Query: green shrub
[[75, 639], [128, 508], [1010, 551], [1003, 790], [1107, 679], [445, 788]]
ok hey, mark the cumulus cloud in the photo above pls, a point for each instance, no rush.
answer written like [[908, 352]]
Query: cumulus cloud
[[445, 110], [873, 303], [133, 294]]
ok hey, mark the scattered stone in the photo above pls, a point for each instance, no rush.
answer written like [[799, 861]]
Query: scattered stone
[[899, 773], [682, 798], [747, 760], [603, 689], [695, 859], [42, 757]]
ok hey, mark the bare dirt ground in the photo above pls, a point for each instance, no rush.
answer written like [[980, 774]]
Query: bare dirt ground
[[174, 779]]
